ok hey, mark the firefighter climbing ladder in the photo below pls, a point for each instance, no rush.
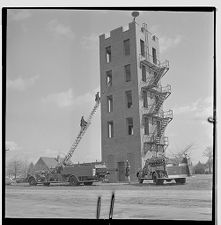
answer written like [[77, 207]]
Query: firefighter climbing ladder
[[82, 131]]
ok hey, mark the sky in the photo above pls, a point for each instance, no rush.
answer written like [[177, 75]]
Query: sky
[[53, 74]]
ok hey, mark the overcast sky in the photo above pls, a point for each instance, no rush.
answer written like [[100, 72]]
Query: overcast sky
[[53, 75]]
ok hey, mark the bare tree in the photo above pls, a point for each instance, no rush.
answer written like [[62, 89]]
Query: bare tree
[[208, 153], [13, 168], [30, 168], [178, 156], [16, 168]]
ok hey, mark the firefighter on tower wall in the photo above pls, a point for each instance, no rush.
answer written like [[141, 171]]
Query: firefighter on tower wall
[[97, 98], [127, 172]]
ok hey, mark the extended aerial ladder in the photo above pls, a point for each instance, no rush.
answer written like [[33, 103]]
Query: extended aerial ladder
[[81, 133]]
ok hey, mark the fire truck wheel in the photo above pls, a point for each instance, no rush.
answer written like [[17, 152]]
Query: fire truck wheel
[[32, 181], [156, 180], [180, 180], [73, 181], [140, 180]]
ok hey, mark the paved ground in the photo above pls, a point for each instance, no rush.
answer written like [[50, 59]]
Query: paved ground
[[192, 201]]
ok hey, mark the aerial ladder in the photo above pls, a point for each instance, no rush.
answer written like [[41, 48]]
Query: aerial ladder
[[81, 133]]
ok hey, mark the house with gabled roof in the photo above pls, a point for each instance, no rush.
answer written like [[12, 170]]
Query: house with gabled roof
[[45, 163]]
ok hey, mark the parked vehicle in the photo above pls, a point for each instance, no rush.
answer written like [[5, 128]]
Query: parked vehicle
[[21, 179], [74, 174], [157, 169]]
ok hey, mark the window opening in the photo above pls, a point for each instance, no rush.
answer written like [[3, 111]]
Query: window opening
[[110, 127], [127, 73], [129, 98], [108, 54], [154, 54], [110, 103], [144, 73], [130, 127], [142, 49], [158, 129], [145, 101], [146, 126], [127, 47], [109, 78]]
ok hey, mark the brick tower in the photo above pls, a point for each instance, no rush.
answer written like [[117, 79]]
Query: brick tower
[[132, 117]]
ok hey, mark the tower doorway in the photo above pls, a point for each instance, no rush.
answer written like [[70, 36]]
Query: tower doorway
[[121, 171]]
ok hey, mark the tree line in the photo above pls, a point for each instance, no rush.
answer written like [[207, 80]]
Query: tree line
[[18, 168]]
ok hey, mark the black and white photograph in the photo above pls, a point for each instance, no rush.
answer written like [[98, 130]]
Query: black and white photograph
[[109, 113]]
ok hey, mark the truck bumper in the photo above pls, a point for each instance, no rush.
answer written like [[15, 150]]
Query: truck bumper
[[177, 176]]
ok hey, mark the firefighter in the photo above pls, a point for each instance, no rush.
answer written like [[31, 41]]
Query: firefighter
[[185, 160], [97, 98], [59, 169], [83, 123], [127, 172]]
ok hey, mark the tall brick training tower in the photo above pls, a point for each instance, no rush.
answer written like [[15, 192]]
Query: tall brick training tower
[[132, 117]]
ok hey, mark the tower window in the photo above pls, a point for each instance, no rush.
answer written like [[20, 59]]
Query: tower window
[[127, 73], [129, 98], [142, 49], [145, 102], [154, 54], [110, 103], [127, 47], [110, 129], [158, 129], [109, 78], [130, 126], [144, 73], [108, 54], [146, 126]]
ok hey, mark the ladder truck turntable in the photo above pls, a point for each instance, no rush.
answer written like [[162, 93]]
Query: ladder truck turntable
[[75, 174]]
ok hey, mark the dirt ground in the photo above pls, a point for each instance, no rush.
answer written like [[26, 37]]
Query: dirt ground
[[192, 201]]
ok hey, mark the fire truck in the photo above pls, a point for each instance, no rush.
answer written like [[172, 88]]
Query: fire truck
[[159, 170], [75, 174]]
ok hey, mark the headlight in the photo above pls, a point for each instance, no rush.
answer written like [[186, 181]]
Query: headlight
[[94, 172]]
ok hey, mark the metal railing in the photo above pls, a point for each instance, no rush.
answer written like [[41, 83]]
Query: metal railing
[[165, 114], [148, 109], [152, 138], [149, 58], [168, 114], [158, 88], [166, 140], [148, 138], [165, 89]]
